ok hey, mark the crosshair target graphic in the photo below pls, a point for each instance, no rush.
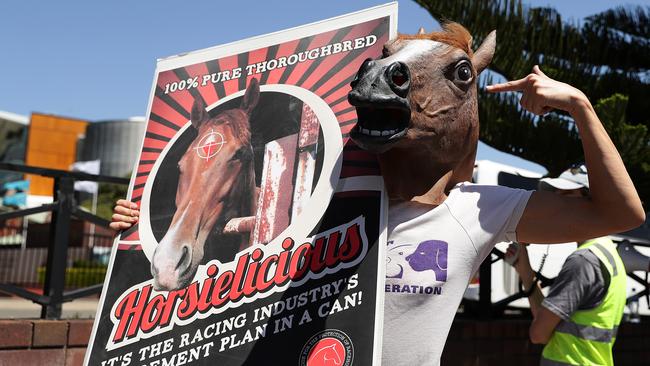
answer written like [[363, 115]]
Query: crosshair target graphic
[[209, 145]]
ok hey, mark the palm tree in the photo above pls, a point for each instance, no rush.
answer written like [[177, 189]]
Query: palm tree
[[607, 57]]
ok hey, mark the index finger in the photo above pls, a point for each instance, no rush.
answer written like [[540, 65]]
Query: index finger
[[514, 85]]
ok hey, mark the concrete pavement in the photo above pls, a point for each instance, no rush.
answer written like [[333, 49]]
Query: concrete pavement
[[14, 307]]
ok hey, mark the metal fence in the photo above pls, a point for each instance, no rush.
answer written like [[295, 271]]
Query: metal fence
[[65, 263], [25, 266]]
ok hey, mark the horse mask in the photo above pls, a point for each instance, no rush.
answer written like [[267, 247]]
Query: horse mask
[[417, 109]]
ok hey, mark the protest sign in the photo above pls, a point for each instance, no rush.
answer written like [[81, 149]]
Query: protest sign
[[262, 226]]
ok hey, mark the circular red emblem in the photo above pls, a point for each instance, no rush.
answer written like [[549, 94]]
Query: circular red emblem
[[329, 347]]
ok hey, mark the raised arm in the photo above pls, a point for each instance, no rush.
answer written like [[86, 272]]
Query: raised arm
[[613, 205]]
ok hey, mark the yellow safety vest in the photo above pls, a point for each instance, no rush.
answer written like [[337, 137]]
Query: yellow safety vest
[[589, 335]]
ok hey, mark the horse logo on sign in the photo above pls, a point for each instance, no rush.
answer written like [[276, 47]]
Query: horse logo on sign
[[330, 347]]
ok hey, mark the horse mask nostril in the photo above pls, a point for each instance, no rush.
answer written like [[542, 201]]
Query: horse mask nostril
[[399, 78]]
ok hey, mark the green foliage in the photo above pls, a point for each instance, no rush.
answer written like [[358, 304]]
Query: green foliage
[[607, 57], [551, 141], [86, 273], [108, 195], [633, 21], [86, 263], [632, 141]]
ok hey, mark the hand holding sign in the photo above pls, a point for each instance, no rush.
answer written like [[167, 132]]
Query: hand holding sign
[[125, 214], [541, 94]]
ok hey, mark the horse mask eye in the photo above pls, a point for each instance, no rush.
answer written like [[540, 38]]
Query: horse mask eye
[[463, 72]]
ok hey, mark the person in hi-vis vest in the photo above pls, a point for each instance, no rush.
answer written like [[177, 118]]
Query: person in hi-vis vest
[[579, 318]]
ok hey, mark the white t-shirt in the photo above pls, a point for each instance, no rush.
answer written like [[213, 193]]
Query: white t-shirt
[[431, 256]]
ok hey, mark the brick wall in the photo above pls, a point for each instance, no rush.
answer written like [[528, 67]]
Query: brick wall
[[505, 342], [470, 343], [43, 342]]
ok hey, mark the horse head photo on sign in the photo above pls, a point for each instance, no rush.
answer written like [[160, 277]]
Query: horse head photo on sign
[[238, 175], [216, 182]]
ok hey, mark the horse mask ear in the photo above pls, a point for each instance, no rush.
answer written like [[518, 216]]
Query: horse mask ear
[[483, 56], [251, 97], [199, 114]]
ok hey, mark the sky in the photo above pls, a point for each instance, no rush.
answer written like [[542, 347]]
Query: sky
[[96, 60]]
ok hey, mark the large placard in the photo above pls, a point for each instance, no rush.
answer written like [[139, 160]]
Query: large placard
[[262, 230]]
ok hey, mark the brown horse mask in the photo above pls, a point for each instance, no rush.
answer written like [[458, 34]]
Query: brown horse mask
[[216, 183], [417, 109]]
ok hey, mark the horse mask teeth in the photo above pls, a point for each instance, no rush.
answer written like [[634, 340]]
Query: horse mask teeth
[[378, 128]]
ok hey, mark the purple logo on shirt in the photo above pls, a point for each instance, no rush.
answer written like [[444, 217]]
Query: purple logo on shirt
[[430, 255]]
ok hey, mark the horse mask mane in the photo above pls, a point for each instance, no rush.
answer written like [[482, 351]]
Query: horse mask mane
[[417, 109]]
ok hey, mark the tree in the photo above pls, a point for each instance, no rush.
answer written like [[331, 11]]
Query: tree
[[607, 57], [109, 193]]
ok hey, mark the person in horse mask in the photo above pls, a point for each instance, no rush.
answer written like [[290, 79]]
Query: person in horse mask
[[579, 318], [417, 110]]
